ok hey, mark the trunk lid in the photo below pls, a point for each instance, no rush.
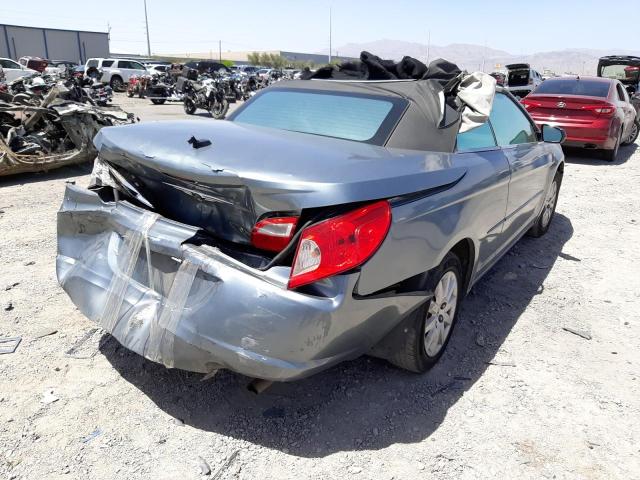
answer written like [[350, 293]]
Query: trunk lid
[[247, 171], [564, 106]]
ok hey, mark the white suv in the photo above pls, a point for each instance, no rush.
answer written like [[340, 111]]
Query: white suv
[[116, 71], [522, 79], [13, 70]]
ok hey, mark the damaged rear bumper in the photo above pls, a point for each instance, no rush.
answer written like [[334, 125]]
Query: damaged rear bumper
[[196, 308]]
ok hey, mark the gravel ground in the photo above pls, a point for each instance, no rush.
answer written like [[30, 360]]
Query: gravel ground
[[514, 396]]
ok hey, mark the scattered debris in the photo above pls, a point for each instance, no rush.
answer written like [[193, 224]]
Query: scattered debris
[[566, 256], [501, 364], [9, 345], [225, 465], [11, 285], [97, 432], [580, 333], [40, 131], [45, 332], [49, 397], [30, 262], [178, 421], [209, 375], [204, 467], [8, 307], [480, 340], [353, 470], [83, 348]]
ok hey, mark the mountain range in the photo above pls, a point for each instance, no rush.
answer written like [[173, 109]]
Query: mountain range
[[471, 57]]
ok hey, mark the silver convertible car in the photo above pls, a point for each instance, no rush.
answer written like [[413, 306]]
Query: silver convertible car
[[323, 221]]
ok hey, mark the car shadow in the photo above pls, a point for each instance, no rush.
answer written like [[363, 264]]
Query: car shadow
[[583, 156], [61, 173], [365, 403]]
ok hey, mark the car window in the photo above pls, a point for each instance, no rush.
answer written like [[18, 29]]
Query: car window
[[509, 122], [136, 66], [9, 64], [107, 63], [363, 118], [92, 63], [478, 138], [621, 92]]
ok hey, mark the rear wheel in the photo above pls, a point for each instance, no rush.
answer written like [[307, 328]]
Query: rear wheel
[[116, 83], [429, 328], [611, 155], [635, 129], [548, 208]]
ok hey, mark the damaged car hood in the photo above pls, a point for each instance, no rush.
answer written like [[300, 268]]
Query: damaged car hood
[[240, 172]]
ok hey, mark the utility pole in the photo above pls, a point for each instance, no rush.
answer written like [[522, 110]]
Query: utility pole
[[220, 50], [329, 34], [146, 21], [429, 47]]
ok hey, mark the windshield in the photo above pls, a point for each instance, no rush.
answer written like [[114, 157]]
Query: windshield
[[363, 118], [590, 88]]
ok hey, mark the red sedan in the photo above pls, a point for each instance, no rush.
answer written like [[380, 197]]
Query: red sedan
[[594, 112]]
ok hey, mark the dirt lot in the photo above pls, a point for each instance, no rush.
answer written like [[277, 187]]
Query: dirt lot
[[515, 396]]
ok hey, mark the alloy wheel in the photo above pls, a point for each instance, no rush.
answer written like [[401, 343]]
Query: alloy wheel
[[440, 314]]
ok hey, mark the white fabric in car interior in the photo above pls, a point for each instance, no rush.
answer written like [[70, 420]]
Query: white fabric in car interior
[[476, 91]]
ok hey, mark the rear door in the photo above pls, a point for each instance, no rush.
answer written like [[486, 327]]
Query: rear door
[[528, 160]]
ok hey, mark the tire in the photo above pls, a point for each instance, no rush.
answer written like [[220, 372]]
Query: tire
[[158, 101], [116, 83], [219, 109], [189, 106], [611, 155], [633, 135], [426, 332], [543, 222]]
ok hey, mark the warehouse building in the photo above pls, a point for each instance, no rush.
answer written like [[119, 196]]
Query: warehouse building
[[51, 43]]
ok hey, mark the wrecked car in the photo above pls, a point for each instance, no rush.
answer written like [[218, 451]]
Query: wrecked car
[[323, 221], [43, 129]]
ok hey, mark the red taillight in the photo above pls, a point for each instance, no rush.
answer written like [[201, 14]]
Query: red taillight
[[530, 104], [340, 243], [273, 234], [602, 109]]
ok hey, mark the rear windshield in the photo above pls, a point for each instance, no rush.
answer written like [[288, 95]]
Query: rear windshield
[[363, 118], [591, 88]]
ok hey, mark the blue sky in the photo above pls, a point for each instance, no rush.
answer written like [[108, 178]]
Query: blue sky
[[197, 25]]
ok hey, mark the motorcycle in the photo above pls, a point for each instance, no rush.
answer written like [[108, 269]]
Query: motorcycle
[[207, 94]]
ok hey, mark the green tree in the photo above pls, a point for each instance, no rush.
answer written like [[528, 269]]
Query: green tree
[[254, 58]]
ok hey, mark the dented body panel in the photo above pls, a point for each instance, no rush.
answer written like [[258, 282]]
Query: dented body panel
[[195, 308]]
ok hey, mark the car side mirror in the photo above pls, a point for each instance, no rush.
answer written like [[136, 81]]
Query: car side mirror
[[553, 134]]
